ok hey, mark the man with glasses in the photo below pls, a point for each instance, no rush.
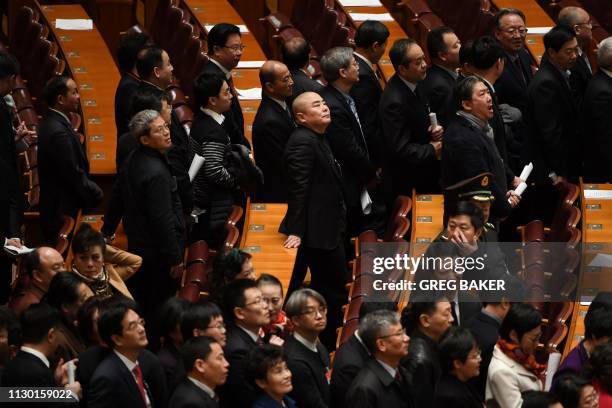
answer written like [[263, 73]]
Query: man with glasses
[[382, 382], [579, 21], [307, 357], [224, 52], [246, 313], [511, 31]]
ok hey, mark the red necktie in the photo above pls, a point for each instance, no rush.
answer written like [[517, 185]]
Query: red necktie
[[139, 381], [230, 83]]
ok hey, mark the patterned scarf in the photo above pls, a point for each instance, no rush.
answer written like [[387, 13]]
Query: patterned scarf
[[99, 285], [529, 362]]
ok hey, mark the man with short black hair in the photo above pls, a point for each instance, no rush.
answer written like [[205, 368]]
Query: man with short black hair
[[206, 369], [296, 55], [370, 44], [382, 382], [443, 47], [307, 358], [63, 168], [272, 127], [224, 52]]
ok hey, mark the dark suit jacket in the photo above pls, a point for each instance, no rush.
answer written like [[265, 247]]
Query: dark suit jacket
[[438, 88], [11, 199], [469, 306], [152, 373], [237, 392], [349, 146], [63, 169], [467, 152], [423, 364], [310, 374], [303, 83], [127, 87], [486, 332], [375, 388], [411, 160], [189, 395], [579, 79], [597, 106], [125, 145], [451, 392], [349, 359], [316, 211], [511, 89], [553, 123], [367, 93], [178, 157], [234, 120], [265, 401], [271, 130], [27, 370]]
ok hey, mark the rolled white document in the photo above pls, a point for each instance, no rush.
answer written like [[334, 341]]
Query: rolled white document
[[433, 120], [521, 188], [196, 165], [70, 369], [553, 363], [366, 202], [526, 172]]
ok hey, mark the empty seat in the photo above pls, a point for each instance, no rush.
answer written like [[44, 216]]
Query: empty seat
[[190, 292], [197, 252]]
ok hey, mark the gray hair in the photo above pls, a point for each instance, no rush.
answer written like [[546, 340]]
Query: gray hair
[[297, 301], [140, 125], [464, 89], [334, 60], [604, 53], [375, 325]]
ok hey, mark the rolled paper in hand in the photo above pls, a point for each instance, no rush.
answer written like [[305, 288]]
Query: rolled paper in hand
[[433, 120], [526, 172]]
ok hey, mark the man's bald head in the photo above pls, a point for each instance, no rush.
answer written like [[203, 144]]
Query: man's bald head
[[296, 53], [42, 265], [578, 20], [276, 80], [311, 111]]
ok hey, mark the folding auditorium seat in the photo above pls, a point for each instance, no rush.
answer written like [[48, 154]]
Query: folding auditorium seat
[[343, 36], [22, 99], [346, 331], [426, 23], [197, 252], [235, 215], [177, 47], [410, 10], [362, 286], [231, 237], [30, 117], [396, 229], [164, 34], [351, 311], [320, 33], [198, 273], [23, 20], [190, 292]]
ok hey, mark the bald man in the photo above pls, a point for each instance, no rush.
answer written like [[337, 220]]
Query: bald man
[[296, 54], [271, 129], [579, 21], [41, 266], [316, 216]]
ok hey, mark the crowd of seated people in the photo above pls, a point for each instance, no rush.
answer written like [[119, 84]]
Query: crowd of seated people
[[338, 154]]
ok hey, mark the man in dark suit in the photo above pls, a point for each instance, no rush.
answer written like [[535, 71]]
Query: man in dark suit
[[469, 147], [352, 356], [155, 71], [443, 47], [130, 45], [118, 381], [307, 358], [597, 120], [272, 127], [346, 136], [553, 118], [145, 194], [510, 31], [581, 72], [224, 52], [40, 265], [488, 62], [246, 313], [11, 201], [412, 146], [206, 370], [382, 382], [65, 186], [370, 44], [31, 367], [426, 319], [316, 215], [296, 55]]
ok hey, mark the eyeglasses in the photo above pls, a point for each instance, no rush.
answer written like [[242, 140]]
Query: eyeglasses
[[258, 300], [218, 326], [236, 48], [274, 301], [513, 30], [134, 325], [399, 333], [322, 310]]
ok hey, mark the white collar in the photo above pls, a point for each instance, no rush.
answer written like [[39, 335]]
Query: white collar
[[607, 72], [387, 368], [488, 83], [367, 61], [227, 73], [219, 118], [203, 387], [409, 84], [38, 354], [128, 363], [283, 104], [63, 114], [254, 336], [309, 345]]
